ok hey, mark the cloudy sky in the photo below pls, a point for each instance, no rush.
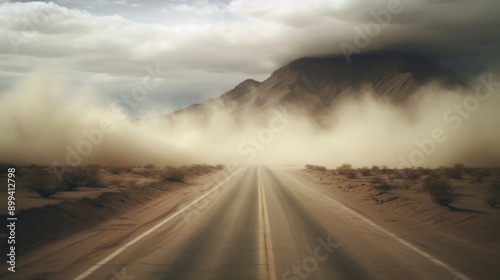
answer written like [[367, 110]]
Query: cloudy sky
[[202, 48]]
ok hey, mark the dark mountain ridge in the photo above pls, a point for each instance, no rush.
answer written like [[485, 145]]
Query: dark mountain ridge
[[315, 84]]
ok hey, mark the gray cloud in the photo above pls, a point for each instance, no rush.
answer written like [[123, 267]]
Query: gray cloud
[[209, 46]]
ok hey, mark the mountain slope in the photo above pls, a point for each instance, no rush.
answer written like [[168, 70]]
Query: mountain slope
[[315, 84]]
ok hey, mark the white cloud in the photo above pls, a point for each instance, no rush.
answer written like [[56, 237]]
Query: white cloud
[[199, 10], [258, 37]]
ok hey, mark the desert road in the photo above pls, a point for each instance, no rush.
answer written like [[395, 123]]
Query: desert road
[[262, 223]]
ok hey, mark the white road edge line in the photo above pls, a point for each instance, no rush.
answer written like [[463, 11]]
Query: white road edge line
[[133, 241], [400, 240], [410, 246], [264, 219]]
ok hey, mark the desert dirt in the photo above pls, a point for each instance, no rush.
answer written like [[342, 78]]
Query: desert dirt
[[42, 221], [405, 206]]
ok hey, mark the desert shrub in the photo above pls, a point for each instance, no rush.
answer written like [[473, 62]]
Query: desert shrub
[[375, 168], [114, 169], [480, 174], [378, 180], [119, 169], [346, 170], [198, 169], [80, 176], [4, 167], [384, 169], [456, 171], [365, 171], [43, 183], [350, 173], [73, 178], [173, 174], [315, 167], [344, 166], [380, 183], [93, 180], [494, 194], [410, 173], [149, 166], [440, 189], [93, 168], [425, 171]]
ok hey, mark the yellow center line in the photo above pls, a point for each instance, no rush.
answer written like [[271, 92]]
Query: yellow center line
[[266, 251]]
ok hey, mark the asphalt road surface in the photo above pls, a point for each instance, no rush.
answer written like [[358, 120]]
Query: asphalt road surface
[[263, 223]]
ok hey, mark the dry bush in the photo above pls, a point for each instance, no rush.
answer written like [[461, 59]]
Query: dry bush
[[119, 169], [199, 169], [375, 168], [365, 171], [4, 167], [220, 166], [346, 170], [149, 166], [351, 174], [80, 176], [440, 189], [381, 183], [425, 171], [456, 171], [384, 169], [43, 183], [410, 173], [480, 174], [315, 167], [173, 174]]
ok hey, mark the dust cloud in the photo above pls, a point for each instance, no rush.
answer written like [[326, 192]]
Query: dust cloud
[[42, 123]]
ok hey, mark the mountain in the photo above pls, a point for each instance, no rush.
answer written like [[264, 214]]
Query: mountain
[[315, 84]]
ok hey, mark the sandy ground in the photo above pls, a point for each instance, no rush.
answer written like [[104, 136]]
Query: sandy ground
[[42, 220], [469, 218]]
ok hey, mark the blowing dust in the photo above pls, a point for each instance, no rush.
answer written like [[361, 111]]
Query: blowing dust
[[41, 123]]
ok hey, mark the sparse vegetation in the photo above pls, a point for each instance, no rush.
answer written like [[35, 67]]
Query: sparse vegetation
[[220, 166], [480, 174], [81, 176], [315, 167], [456, 171], [410, 173], [384, 169], [381, 183], [149, 166], [346, 170], [173, 174], [198, 169], [375, 168], [43, 183], [440, 189], [119, 169], [4, 167], [365, 171]]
